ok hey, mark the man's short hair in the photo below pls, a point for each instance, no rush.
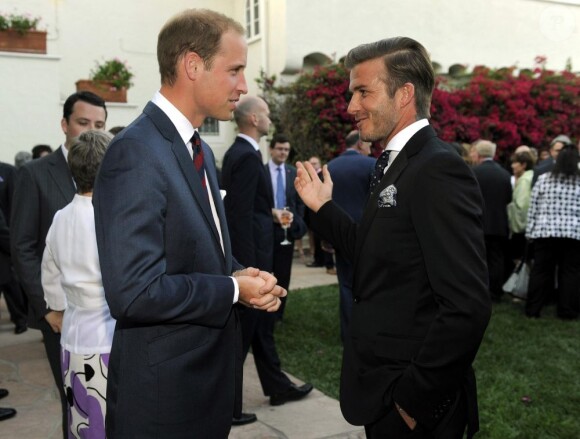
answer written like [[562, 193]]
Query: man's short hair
[[562, 138], [524, 158], [85, 96], [193, 30], [38, 150], [485, 148], [352, 139], [244, 108], [405, 60], [21, 158], [278, 138], [85, 156]]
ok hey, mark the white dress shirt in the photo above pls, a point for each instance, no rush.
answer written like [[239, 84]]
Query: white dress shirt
[[397, 143], [71, 279]]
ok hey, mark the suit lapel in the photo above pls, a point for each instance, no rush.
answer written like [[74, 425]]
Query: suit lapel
[[61, 175], [412, 147], [168, 130]]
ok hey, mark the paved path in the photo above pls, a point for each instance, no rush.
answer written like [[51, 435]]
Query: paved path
[[24, 371]]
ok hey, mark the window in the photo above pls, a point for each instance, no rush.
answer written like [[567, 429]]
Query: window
[[252, 18], [210, 126]]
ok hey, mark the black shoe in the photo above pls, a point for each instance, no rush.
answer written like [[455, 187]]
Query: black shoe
[[20, 328], [314, 265], [6, 413], [245, 418], [294, 393], [3, 393]]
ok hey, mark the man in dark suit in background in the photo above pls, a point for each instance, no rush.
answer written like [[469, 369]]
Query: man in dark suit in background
[[281, 176], [546, 165], [421, 303], [15, 299], [496, 190], [351, 175], [43, 187], [170, 280], [250, 213]]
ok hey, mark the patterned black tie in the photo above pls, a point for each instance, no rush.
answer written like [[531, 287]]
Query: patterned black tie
[[380, 166]]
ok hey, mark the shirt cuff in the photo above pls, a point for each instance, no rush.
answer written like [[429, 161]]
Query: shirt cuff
[[236, 290]]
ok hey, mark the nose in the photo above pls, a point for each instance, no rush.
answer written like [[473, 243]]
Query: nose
[[243, 85], [353, 106]]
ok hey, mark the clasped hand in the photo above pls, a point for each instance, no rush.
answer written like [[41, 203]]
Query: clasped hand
[[258, 289]]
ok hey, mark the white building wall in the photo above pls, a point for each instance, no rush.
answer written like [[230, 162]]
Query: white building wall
[[492, 32]]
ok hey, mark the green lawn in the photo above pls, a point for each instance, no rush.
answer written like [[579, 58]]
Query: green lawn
[[528, 371]]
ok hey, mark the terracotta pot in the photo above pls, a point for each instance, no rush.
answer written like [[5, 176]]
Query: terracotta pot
[[28, 42], [104, 89]]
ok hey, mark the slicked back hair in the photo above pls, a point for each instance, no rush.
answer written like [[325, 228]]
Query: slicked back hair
[[405, 60], [193, 30]]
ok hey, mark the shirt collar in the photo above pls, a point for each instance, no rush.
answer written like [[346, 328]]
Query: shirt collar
[[274, 166], [64, 152], [402, 137], [181, 123], [251, 140]]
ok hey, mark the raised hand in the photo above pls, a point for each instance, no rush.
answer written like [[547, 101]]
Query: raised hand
[[311, 189]]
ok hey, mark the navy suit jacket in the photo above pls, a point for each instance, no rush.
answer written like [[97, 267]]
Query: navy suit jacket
[[421, 303], [175, 365], [248, 204], [351, 174], [496, 190], [43, 187]]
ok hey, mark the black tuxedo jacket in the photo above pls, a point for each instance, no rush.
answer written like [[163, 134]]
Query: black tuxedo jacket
[[298, 227], [544, 166], [43, 187], [175, 365], [248, 203], [421, 303], [496, 189]]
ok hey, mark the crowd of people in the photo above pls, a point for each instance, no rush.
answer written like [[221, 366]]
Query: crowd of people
[[150, 282]]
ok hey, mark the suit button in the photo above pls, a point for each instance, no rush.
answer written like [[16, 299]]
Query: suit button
[[356, 300]]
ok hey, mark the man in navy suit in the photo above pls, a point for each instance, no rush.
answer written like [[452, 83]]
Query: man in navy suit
[[170, 280], [250, 213], [9, 285], [44, 186], [421, 303], [281, 176], [351, 174], [496, 190]]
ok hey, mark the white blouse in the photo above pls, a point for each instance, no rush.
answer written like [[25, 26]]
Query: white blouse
[[71, 279]]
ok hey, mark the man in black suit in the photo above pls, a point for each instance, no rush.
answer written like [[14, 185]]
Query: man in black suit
[[170, 279], [281, 176], [546, 165], [496, 189], [421, 303], [43, 187], [351, 175], [15, 299], [250, 213]]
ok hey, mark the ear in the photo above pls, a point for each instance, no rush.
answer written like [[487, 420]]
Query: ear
[[406, 94], [64, 125], [192, 65]]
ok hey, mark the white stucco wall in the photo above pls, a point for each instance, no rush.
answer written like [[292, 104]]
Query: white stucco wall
[[78, 34], [496, 33], [491, 32]]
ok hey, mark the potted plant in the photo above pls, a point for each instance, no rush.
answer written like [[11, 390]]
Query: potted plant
[[109, 79], [19, 33]]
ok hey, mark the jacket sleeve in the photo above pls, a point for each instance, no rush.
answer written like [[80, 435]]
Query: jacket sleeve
[[132, 201], [447, 214], [25, 239]]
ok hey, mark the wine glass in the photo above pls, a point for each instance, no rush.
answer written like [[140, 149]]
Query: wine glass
[[285, 220]]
